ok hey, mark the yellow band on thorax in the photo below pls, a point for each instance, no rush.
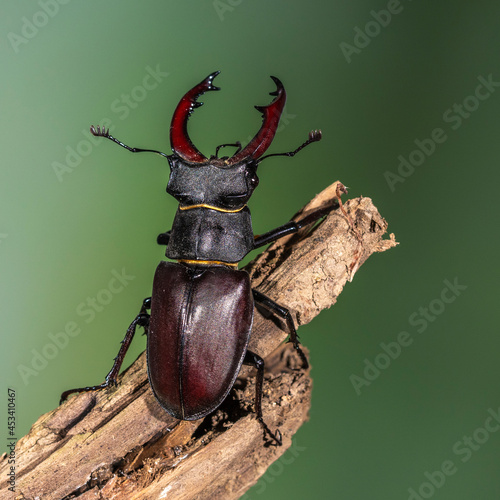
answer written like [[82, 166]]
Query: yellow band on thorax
[[211, 207], [208, 263]]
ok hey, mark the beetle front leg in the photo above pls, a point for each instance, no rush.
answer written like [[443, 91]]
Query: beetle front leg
[[292, 226], [255, 360], [284, 314], [163, 238], [142, 319]]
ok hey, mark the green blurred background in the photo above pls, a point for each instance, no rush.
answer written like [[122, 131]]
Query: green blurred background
[[66, 65]]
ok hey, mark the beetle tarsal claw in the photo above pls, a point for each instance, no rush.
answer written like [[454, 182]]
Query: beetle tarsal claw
[[278, 437], [275, 436]]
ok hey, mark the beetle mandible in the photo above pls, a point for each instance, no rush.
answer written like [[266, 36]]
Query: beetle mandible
[[202, 306]]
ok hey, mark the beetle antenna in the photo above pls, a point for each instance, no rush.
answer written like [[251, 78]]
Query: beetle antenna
[[98, 132], [314, 136], [237, 144]]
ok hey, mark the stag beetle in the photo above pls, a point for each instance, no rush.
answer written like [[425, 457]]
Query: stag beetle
[[202, 306]]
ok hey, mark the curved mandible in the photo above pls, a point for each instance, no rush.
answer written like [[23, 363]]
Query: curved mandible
[[271, 117], [179, 138]]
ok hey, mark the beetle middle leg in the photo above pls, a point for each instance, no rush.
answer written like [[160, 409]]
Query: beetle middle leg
[[284, 314], [142, 319], [255, 360]]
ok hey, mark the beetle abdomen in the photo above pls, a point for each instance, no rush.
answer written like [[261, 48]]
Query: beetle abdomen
[[201, 319]]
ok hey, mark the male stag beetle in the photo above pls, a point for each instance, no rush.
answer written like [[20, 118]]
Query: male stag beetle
[[202, 306]]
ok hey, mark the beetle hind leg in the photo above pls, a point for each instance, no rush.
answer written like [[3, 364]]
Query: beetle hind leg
[[142, 319], [255, 360], [284, 314]]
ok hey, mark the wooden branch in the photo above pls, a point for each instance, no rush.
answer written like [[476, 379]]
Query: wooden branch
[[119, 443]]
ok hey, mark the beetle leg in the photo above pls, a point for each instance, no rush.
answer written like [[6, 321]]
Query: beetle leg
[[283, 313], [293, 226], [142, 319], [163, 238], [255, 360]]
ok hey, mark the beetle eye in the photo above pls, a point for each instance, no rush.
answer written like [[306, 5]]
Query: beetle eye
[[252, 179]]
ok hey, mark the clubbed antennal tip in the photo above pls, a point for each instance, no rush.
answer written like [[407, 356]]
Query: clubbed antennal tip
[[98, 132], [315, 136]]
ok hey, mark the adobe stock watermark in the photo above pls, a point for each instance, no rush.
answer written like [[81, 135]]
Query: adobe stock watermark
[[223, 6], [31, 27], [364, 36], [87, 310], [3, 236], [455, 115], [465, 448], [420, 321], [285, 120], [121, 107], [276, 469]]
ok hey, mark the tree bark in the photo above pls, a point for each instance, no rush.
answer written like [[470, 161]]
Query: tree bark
[[119, 443]]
